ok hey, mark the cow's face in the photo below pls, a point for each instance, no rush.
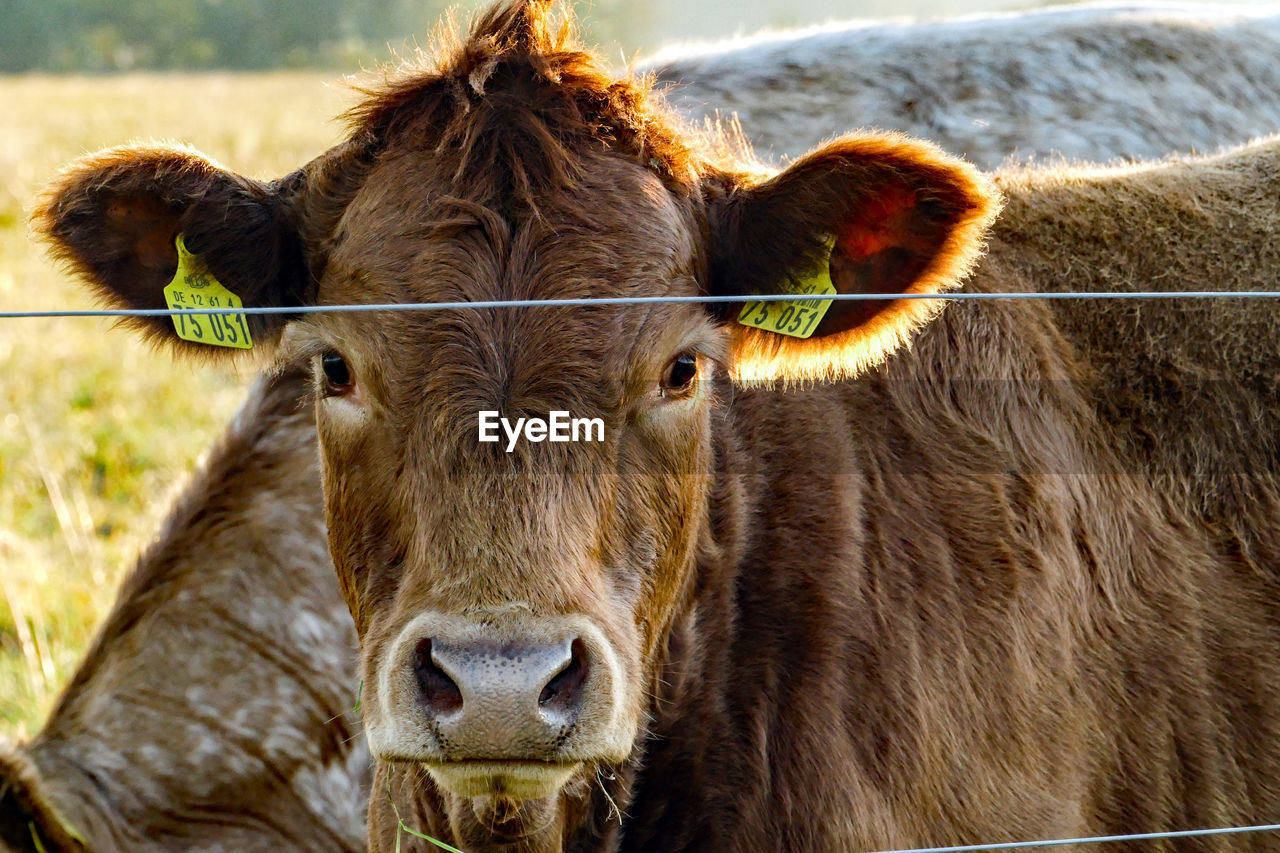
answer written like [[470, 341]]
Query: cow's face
[[513, 597]]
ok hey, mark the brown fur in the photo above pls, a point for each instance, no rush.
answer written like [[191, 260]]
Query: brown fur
[[996, 588], [211, 710]]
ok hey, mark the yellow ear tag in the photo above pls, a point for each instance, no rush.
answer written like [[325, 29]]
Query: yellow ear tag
[[795, 317], [193, 286]]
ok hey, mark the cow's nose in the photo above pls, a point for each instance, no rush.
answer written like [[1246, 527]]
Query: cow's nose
[[501, 700]]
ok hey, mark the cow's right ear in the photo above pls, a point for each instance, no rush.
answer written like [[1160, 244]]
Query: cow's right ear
[[870, 214], [115, 217]]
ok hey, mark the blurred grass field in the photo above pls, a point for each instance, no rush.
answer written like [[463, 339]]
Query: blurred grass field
[[100, 431]]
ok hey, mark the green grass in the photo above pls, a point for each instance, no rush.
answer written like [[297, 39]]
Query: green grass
[[403, 828], [99, 431]]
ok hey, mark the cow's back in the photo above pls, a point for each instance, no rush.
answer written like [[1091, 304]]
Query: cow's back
[[1188, 388], [1086, 83]]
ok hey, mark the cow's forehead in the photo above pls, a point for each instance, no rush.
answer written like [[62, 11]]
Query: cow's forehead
[[413, 235], [419, 233], [413, 209]]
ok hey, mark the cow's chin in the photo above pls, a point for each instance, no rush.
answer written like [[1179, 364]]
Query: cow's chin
[[506, 780], [507, 806]]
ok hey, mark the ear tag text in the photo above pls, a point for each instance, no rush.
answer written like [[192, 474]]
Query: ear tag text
[[193, 286], [795, 317]]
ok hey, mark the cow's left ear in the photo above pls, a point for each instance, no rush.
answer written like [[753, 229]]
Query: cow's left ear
[[115, 219], [863, 214]]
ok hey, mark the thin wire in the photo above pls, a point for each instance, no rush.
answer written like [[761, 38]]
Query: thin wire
[[1095, 839], [646, 300]]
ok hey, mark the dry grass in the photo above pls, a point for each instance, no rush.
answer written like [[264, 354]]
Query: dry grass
[[99, 430]]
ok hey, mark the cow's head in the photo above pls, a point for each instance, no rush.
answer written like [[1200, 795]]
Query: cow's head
[[513, 607]]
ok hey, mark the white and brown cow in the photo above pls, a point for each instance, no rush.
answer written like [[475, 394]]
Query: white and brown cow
[[213, 711], [1084, 83], [1017, 579]]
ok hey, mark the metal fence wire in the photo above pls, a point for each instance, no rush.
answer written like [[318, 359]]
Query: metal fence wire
[[1094, 839], [743, 298], [650, 300]]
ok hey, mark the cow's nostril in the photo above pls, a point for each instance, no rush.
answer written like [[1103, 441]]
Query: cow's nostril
[[562, 690], [439, 692]]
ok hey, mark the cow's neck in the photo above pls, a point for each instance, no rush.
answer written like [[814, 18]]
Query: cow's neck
[[828, 531]]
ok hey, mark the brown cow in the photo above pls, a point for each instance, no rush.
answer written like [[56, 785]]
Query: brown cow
[[1017, 580], [211, 711], [1195, 58]]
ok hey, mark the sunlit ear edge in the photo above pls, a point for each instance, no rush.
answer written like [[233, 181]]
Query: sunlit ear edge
[[759, 357]]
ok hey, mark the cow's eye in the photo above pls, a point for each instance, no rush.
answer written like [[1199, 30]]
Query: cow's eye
[[338, 378], [680, 374]]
